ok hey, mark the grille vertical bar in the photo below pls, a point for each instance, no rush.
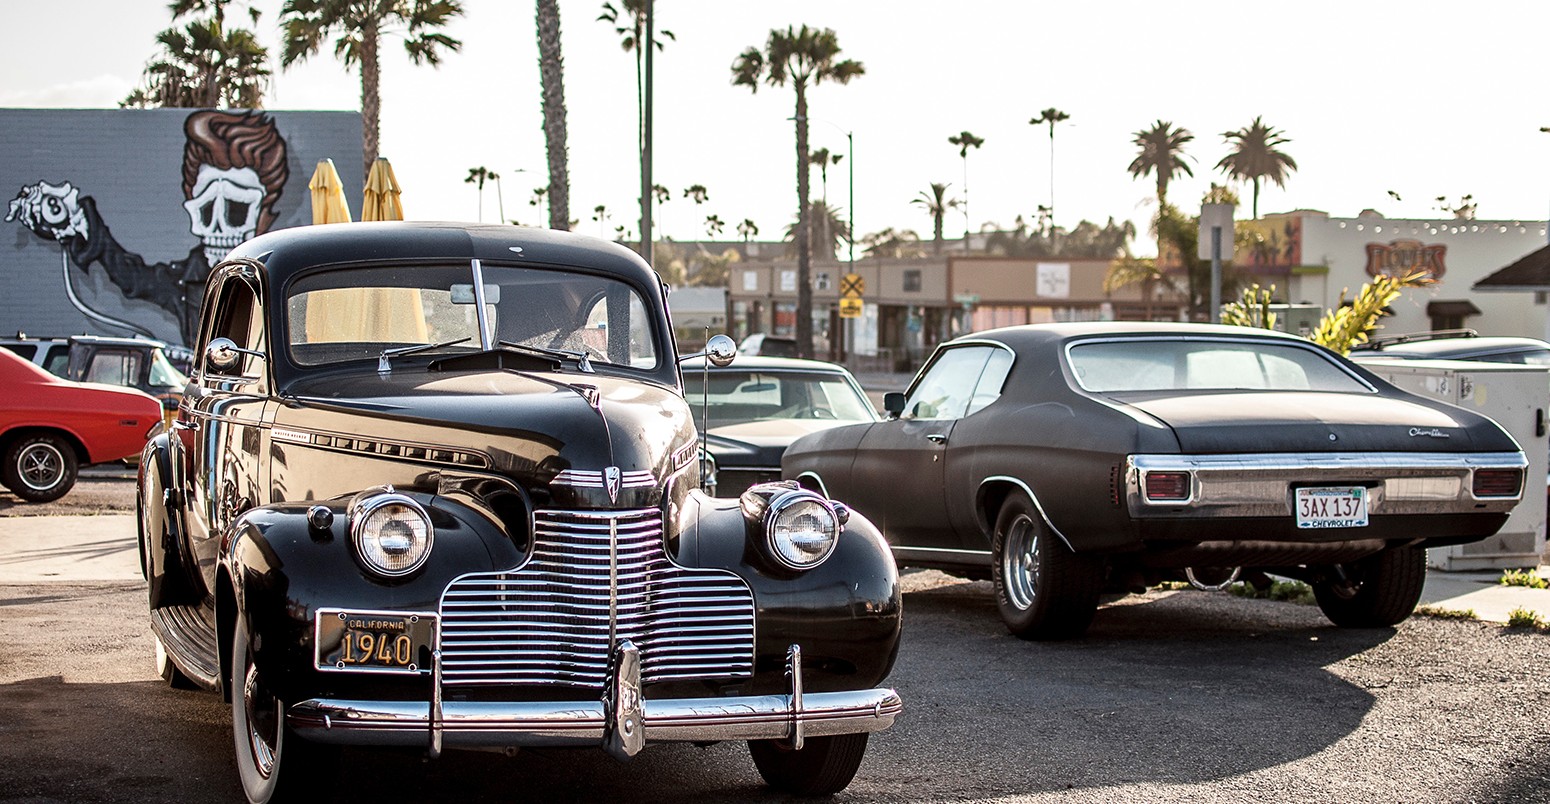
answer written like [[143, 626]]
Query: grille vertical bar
[[549, 621]]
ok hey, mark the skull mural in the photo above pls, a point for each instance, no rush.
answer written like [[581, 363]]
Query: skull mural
[[224, 209], [234, 170]]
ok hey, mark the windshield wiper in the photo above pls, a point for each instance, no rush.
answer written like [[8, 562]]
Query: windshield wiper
[[384, 360], [582, 363]]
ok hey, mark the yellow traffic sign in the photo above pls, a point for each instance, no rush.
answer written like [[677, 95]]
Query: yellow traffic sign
[[851, 308], [852, 286]]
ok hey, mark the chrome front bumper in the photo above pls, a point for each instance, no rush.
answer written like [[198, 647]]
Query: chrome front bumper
[[1261, 485], [620, 721]]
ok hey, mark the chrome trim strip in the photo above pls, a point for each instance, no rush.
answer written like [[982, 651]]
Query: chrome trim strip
[[794, 684], [822, 489], [582, 478], [583, 722], [1036, 504]]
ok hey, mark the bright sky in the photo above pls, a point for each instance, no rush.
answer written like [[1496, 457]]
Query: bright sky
[[1424, 98]]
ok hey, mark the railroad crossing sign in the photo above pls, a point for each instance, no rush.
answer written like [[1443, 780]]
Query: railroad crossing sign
[[851, 307], [852, 286]]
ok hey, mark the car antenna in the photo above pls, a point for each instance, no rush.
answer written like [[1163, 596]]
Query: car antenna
[[704, 407]]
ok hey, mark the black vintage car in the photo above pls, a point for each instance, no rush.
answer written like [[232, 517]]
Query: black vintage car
[[435, 485], [1065, 460]]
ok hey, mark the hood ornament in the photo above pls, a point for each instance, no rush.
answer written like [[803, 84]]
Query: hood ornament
[[611, 479]]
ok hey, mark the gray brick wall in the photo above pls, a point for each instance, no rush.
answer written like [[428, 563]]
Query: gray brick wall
[[130, 163]]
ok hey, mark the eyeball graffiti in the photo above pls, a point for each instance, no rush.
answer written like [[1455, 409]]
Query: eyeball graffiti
[[224, 209]]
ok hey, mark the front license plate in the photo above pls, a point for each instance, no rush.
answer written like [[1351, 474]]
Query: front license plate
[[375, 641], [1332, 507]]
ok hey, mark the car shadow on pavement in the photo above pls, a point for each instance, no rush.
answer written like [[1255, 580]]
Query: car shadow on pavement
[[1165, 689]]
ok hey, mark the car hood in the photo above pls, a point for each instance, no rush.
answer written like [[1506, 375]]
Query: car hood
[[760, 443], [1317, 422], [529, 425]]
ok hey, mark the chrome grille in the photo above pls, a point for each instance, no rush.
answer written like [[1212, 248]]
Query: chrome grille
[[552, 620]]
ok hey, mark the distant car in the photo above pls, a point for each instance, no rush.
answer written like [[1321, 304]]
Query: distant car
[[1459, 345], [142, 363], [1064, 460], [50, 427], [758, 405], [763, 343]]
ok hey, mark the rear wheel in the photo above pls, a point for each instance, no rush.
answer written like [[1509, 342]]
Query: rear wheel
[[1043, 590], [824, 765], [39, 467], [1376, 592], [275, 764]]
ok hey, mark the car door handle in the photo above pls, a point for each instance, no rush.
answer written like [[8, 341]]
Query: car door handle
[[179, 424], [937, 438]]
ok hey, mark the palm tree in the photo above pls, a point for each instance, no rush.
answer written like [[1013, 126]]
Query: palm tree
[[205, 65], [360, 25], [747, 230], [601, 215], [551, 70], [801, 57], [713, 225], [661, 195], [698, 193], [631, 34], [823, 159], [936, 204], [1162, 153], [1050, 116], [899, 245], [539, 193], [1254, 157], [965, 141], [826, 227], [479, 175]]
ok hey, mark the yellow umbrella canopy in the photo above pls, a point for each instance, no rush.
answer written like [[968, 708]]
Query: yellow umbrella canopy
[[328, 204], [381, 202]]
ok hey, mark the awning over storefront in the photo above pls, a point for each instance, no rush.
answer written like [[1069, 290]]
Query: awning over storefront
[[1460, 308]]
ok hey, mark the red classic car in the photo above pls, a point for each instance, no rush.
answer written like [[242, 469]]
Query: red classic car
[[49, 427]]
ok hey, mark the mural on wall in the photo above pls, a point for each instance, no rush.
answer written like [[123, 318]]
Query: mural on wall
[[1273, 244], [234, 171], [1400, 257]]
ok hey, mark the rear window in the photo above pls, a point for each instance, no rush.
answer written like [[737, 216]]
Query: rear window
[[1207, 365]]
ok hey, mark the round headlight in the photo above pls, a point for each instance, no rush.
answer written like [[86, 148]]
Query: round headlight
[[392, 534], [803, 529]]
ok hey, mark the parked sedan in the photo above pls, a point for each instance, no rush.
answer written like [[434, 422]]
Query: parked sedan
[[1063, 460], [50, 427], [1460, 345], [757, 406]]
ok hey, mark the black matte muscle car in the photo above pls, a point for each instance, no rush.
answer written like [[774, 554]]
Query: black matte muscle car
[[1066, 460], [751, 410], [436, 486]]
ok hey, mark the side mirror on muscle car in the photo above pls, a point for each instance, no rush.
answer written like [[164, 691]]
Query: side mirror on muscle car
[[893, 404]]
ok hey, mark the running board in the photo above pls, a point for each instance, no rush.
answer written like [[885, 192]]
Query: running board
[[190, 639]]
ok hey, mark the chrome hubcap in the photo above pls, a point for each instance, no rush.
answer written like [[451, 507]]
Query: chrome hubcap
[[41, 466], [1020, 563]]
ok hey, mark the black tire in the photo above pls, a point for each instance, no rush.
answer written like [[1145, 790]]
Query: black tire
[[1043, 590], [275, 765], [39, 467], [1379, 591], [823, 767]]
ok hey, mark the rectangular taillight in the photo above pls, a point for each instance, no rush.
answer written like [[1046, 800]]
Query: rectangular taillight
[[1498, 482], [1166, 486]]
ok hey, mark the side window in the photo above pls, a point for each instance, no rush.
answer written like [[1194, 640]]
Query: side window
[[992, 378], [114, 367], [238, 317], [947, 387]]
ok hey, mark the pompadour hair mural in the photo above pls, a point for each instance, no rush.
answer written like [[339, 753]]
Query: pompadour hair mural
[[237, 170]]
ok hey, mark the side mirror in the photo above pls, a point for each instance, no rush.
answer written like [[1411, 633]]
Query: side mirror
[[720, 351], [893, 404], [223, 354]]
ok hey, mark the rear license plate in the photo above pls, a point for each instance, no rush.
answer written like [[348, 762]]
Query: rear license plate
[[374, 641], [1331, 507]]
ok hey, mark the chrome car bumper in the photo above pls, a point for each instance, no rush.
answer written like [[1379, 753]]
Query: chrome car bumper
[[620, 721], [1251, 485]]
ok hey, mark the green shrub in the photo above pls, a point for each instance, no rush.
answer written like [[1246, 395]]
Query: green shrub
[[1529, 578], [1289, 591], [1523, 618], [1441, 613]]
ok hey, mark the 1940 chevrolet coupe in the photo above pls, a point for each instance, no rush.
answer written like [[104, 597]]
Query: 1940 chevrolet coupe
[[437, 485]]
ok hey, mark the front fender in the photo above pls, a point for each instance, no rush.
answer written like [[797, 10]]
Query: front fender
[[283, 570], [159, 517], [846, 613]]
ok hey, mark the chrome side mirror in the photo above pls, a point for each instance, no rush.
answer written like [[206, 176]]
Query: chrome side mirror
[[223, 354], [720, 351]]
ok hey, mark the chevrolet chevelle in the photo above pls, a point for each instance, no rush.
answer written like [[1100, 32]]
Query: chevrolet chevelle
[[1065, 461], [436, 486]]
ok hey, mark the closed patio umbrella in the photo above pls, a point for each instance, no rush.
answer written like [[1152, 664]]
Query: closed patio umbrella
[[328, 203], [381, 202]]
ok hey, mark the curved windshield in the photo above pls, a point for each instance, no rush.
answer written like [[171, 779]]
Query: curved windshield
[[739, 397], [1207, 365], [358, 313]]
